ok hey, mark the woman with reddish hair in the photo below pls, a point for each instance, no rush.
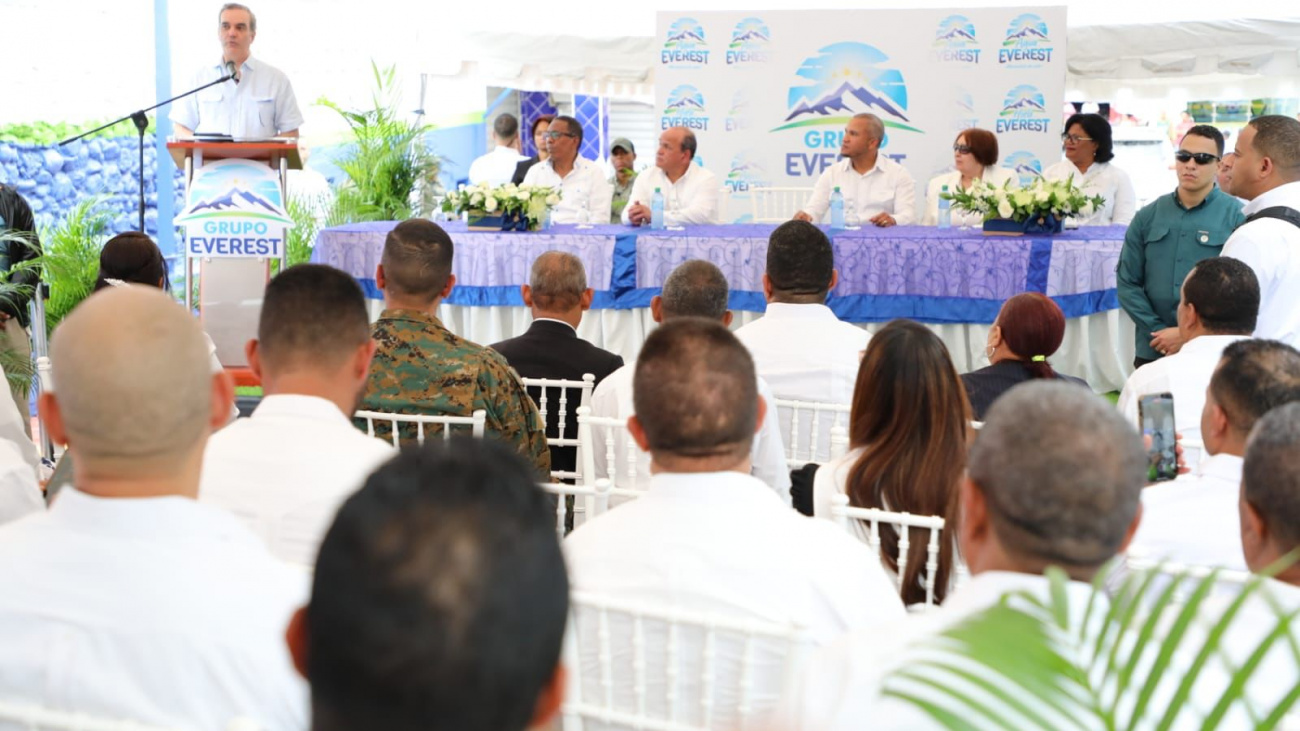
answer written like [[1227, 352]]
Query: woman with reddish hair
[[1028, 331], [908, 437], [974, 158]]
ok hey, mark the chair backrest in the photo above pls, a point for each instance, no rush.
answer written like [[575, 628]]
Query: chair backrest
[[668, 670], [864, 524], [608, 451], [553, 395], [31, 717], [587, 500], [807, 428], [477, 423], [777, 204]]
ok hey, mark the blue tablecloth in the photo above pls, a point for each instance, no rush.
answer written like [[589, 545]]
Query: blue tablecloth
[[921, 273]]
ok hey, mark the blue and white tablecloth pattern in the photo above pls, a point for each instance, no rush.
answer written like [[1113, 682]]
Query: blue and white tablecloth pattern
[[926, 274]]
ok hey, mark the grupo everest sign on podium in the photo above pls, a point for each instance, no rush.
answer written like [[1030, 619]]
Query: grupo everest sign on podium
[[768, 93], [235, 208]]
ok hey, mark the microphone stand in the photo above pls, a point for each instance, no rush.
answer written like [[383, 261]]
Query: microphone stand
[[141, 121]]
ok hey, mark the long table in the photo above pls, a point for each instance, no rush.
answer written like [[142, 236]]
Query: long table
[[954, 280]]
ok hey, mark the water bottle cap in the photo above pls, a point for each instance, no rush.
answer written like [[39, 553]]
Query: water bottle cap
[[657, 190], [945, 189], [837, 189]]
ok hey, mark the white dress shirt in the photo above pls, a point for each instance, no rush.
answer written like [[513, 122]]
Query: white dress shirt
[[1272, 248], [1185, 374], [285, 470], [587, 194], [496, 167], [613, 398], [839, 688], [886, 188], [1105, 180], [693, 199], [260, 106], [1194, 519], [721, 543], [993, 175], [11, 429], [19, 493], [156, 610]]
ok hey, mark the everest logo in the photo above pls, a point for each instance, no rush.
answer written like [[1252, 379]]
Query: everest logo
[[744, 174], [685, 46], [685, 108], [1025, 165], [739, 116], [847, 81], [749, 42], [954, 41], [1026, 44], [234, 208], [1023, 111]]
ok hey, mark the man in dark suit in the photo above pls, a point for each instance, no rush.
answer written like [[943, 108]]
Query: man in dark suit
[[558, 294]]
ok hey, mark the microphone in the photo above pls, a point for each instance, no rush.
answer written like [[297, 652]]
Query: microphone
[[232, 71]]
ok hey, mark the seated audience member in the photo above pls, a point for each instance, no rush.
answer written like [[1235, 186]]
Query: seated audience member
[[540, 126], [13, 433], [1270, 498], [440, 599], [19, 493], [1089, 150], [696, 288], [1193, 519], [586, 195], [1053, 480], [974, 158], [129, 599], [421, 367], [907, 434], [622, 156], [557, 294], [707, 537], [496, 167], [690, 191], [876, 189], [285, 470], [800, 347], [1217, 307], [1029, 329]]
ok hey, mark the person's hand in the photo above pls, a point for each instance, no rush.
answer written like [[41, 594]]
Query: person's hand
[[802, 216], [5, 317], [1167, 341], [883, 220], [638, 214], [1178, 453]]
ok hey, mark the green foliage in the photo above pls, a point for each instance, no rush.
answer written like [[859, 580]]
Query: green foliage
[[69, 262], [18, 370], [1131, 662], [48, 133], [386, 163], [300, 239]]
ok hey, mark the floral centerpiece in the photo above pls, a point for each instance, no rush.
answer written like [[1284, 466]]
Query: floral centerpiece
[[507, 207], [1040, 208]]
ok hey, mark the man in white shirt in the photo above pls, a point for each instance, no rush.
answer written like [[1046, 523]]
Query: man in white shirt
[[875, 188], [1217, 306], [258, 103], [285, 469], [498, 166], [800, 348], [696, 288], [1193, 519], [585, 194], [707, 537], [690, 192], [129, 599], [1053, 480], [19, 494], [440, 599], [1265, 170]]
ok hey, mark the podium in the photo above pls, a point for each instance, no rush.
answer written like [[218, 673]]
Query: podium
[[235, 222]]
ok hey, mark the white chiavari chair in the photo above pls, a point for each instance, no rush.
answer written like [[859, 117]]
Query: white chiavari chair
[[776, 204], [477, 424], [864, 524], [554, 394]]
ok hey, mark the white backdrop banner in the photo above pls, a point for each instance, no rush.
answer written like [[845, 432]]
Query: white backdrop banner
[[768, 94]]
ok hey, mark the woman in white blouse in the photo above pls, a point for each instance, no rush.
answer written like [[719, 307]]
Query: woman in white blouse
[[974, 157], [1088, 152]]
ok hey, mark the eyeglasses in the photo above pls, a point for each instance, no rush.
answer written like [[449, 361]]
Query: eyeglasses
[[963, 149], [1201, 158], [1075, 138], [557, 135]]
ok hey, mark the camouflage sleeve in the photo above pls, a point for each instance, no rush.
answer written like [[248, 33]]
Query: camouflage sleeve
[[512, 415]]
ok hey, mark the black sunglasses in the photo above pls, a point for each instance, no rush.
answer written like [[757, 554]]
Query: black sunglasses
[[557, 135], [963, 149], [1201, 158]]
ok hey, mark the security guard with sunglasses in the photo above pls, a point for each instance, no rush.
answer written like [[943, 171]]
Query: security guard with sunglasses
[[1168, 237]]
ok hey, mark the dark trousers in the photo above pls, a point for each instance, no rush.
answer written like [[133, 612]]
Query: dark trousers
[[1139, 362]]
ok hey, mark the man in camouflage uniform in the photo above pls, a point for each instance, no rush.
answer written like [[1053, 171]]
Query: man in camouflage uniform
[[421, 367]]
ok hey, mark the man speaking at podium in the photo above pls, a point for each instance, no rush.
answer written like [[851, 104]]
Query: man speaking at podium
[[257, 104]]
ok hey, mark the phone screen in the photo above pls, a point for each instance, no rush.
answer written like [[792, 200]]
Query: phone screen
[[1156, 411]]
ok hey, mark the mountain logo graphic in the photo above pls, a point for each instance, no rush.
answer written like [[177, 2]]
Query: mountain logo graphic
[[739, 116], [1025, 165], [685, 46], [1026, 29], [745, 174], [235, 202], [965, 102], [845, 79], [955, 31], [750, 33], [1023, 100], [685, 100]]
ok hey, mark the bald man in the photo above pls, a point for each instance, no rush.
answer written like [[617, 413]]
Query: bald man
[[129, 599]]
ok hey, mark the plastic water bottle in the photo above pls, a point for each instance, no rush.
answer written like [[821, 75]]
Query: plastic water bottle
[[837, 208], [657, 210], [945, 210]]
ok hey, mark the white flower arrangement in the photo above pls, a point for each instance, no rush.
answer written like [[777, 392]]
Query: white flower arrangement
[[1057, 198], [533, 201]]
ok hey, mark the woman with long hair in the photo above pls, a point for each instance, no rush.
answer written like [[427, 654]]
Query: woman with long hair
[[908, 438]]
